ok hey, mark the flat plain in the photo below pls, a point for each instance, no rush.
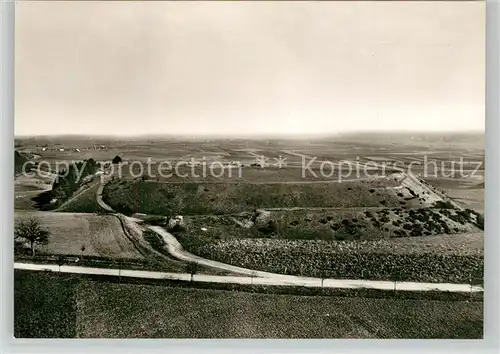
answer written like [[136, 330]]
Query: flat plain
[[363, 206]]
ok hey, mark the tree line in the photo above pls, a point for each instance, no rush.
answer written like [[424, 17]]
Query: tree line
[[67, 183]]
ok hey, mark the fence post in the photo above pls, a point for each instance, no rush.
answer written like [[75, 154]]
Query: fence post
[[470, 281]]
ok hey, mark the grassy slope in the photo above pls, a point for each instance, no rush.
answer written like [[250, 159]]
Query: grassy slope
[[84, 203], [102, 235], [195, 198]]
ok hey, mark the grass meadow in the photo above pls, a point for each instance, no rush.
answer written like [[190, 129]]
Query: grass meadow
[[65, 306]]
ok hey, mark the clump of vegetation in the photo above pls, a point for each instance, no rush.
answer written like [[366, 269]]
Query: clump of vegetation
[[270, 228], [66, 184], [20, 162], [440, 204], [480, 221], [153, 239], [384, 219], [124, 208]]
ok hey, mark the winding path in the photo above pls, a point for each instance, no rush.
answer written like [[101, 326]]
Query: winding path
[[174, 248]]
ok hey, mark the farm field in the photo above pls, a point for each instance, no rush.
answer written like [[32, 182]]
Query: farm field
[[23, 200], [469, 192], [102, 235], [363, 148], [457, 259], [74, 307]]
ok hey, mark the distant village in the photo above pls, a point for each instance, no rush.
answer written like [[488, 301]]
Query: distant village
[[72, 148]]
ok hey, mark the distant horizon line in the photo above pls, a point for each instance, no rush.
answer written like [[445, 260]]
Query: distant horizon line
[[249, 136]]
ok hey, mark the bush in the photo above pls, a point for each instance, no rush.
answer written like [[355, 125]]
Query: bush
[[443, 205], [270, 228], [153, 239]]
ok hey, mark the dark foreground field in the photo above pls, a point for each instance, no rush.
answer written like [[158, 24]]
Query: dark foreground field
[[52, 306]]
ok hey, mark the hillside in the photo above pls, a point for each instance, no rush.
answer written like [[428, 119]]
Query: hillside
[[225, 198], [20, 158]]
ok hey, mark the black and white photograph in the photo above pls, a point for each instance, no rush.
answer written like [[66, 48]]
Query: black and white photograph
[[249, 169]]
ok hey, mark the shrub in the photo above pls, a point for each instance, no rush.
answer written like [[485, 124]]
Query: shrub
[[116, 160], [440, 204], [270, 228]]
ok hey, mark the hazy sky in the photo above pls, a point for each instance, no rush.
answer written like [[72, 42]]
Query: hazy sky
[[248, 68]]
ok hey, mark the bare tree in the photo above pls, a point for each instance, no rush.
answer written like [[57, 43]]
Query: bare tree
[[31, 230]]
